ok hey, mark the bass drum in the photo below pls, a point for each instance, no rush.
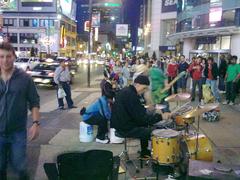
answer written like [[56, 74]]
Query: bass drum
[[204, 152]]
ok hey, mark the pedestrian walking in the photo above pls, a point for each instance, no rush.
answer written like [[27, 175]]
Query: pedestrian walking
[[17, 94], [62, 78]]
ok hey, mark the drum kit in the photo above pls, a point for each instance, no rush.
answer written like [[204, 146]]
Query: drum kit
[[174, 145]]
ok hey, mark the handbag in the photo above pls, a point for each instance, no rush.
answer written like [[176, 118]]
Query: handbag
[[61, 93]]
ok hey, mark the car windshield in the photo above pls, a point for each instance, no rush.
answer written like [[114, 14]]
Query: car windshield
[[22, 60], [51, 67]]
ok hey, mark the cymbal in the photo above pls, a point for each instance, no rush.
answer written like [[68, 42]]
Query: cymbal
[[178, 97], [200, 110], [160, 106]]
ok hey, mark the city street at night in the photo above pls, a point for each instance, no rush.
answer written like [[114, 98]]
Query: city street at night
[[119, 89]]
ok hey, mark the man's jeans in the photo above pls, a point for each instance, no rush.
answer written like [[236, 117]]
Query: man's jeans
[[221, 84], [214, 89], [13, 150], [199, 84], [67, 88]]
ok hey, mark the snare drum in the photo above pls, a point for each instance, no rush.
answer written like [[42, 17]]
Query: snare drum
[[165, 146], [204, 153], [165, 124]]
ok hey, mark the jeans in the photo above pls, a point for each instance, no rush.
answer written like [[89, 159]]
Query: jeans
[[182, 82], [231, 91], [67, 88], [174, 86], [13, 150], [102, 124], [221, 84], [142, 133], [195, 83], [214, 89]]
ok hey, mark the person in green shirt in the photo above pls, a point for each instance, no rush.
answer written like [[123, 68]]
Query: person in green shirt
[[231, 79], [158, 82]]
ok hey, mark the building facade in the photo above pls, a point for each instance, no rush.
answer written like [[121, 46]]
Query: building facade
[[47, 26], [208, 27], [105, 15]]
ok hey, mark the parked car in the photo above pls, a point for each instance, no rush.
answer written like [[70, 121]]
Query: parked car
[[27, 63], [43, 74]]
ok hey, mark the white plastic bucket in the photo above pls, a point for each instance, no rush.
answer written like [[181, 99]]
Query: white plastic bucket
[[85, 132]]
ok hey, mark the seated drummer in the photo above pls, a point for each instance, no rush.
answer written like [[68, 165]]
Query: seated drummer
[[129, 116]]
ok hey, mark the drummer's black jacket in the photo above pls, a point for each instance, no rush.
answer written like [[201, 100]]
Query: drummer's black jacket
[[128, 112]]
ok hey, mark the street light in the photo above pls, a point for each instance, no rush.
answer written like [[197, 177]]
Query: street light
[[89, 42]]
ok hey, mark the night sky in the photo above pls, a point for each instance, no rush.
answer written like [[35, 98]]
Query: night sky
[[131, 16]]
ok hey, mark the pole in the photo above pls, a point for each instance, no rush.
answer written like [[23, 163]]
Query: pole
[[48, 35], [89, 42]]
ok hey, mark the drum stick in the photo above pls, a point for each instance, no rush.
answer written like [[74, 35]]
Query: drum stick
[[178, 108]]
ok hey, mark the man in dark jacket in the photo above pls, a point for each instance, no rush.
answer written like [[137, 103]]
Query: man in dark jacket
[[129, 117], [17, 94], [222, 73], [211, 73]]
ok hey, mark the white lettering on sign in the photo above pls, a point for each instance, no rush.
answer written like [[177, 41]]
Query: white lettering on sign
[[170, 2]]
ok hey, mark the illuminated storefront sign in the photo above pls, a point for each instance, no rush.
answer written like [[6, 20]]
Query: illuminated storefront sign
[[169, 5]]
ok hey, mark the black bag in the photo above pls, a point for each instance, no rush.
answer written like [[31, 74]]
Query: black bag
[[82, 111]]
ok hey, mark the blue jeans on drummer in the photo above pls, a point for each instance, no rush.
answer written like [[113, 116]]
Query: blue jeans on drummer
[[67, 88], [13, 151]]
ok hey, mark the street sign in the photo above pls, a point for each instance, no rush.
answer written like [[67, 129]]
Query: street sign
[[122, 30]]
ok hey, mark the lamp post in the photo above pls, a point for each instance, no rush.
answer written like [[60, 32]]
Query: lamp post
[[89, 42]]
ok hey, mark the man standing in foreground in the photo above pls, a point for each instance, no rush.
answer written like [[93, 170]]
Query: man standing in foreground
[[17, 94]]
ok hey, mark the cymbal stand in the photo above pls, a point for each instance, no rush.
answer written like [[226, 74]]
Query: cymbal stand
[[198, 127]]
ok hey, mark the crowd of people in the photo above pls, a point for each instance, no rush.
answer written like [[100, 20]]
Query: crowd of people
[[130, 89]]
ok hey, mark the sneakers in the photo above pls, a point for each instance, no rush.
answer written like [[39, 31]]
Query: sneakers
[[61, 108], [104, 141], [71, 107], [225, 102], [231, 103]]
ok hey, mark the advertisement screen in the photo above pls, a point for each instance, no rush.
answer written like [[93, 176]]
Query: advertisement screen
[[122, 30], [37, 3], [8, 5], [74, 10], [65, 7], [215, 14]]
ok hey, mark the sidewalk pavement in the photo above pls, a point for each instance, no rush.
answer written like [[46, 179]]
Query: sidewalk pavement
[[224, 136]]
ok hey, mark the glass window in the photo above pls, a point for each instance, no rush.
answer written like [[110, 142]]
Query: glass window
[[46, 22], [226, 41], [228, 18], [35, 23], [13, 37], [28, 38], [9, 22], [26, 22]]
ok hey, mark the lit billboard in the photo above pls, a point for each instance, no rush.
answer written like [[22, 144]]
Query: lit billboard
[[36, 3], [66, 7], [122, 30], [8, 5]]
